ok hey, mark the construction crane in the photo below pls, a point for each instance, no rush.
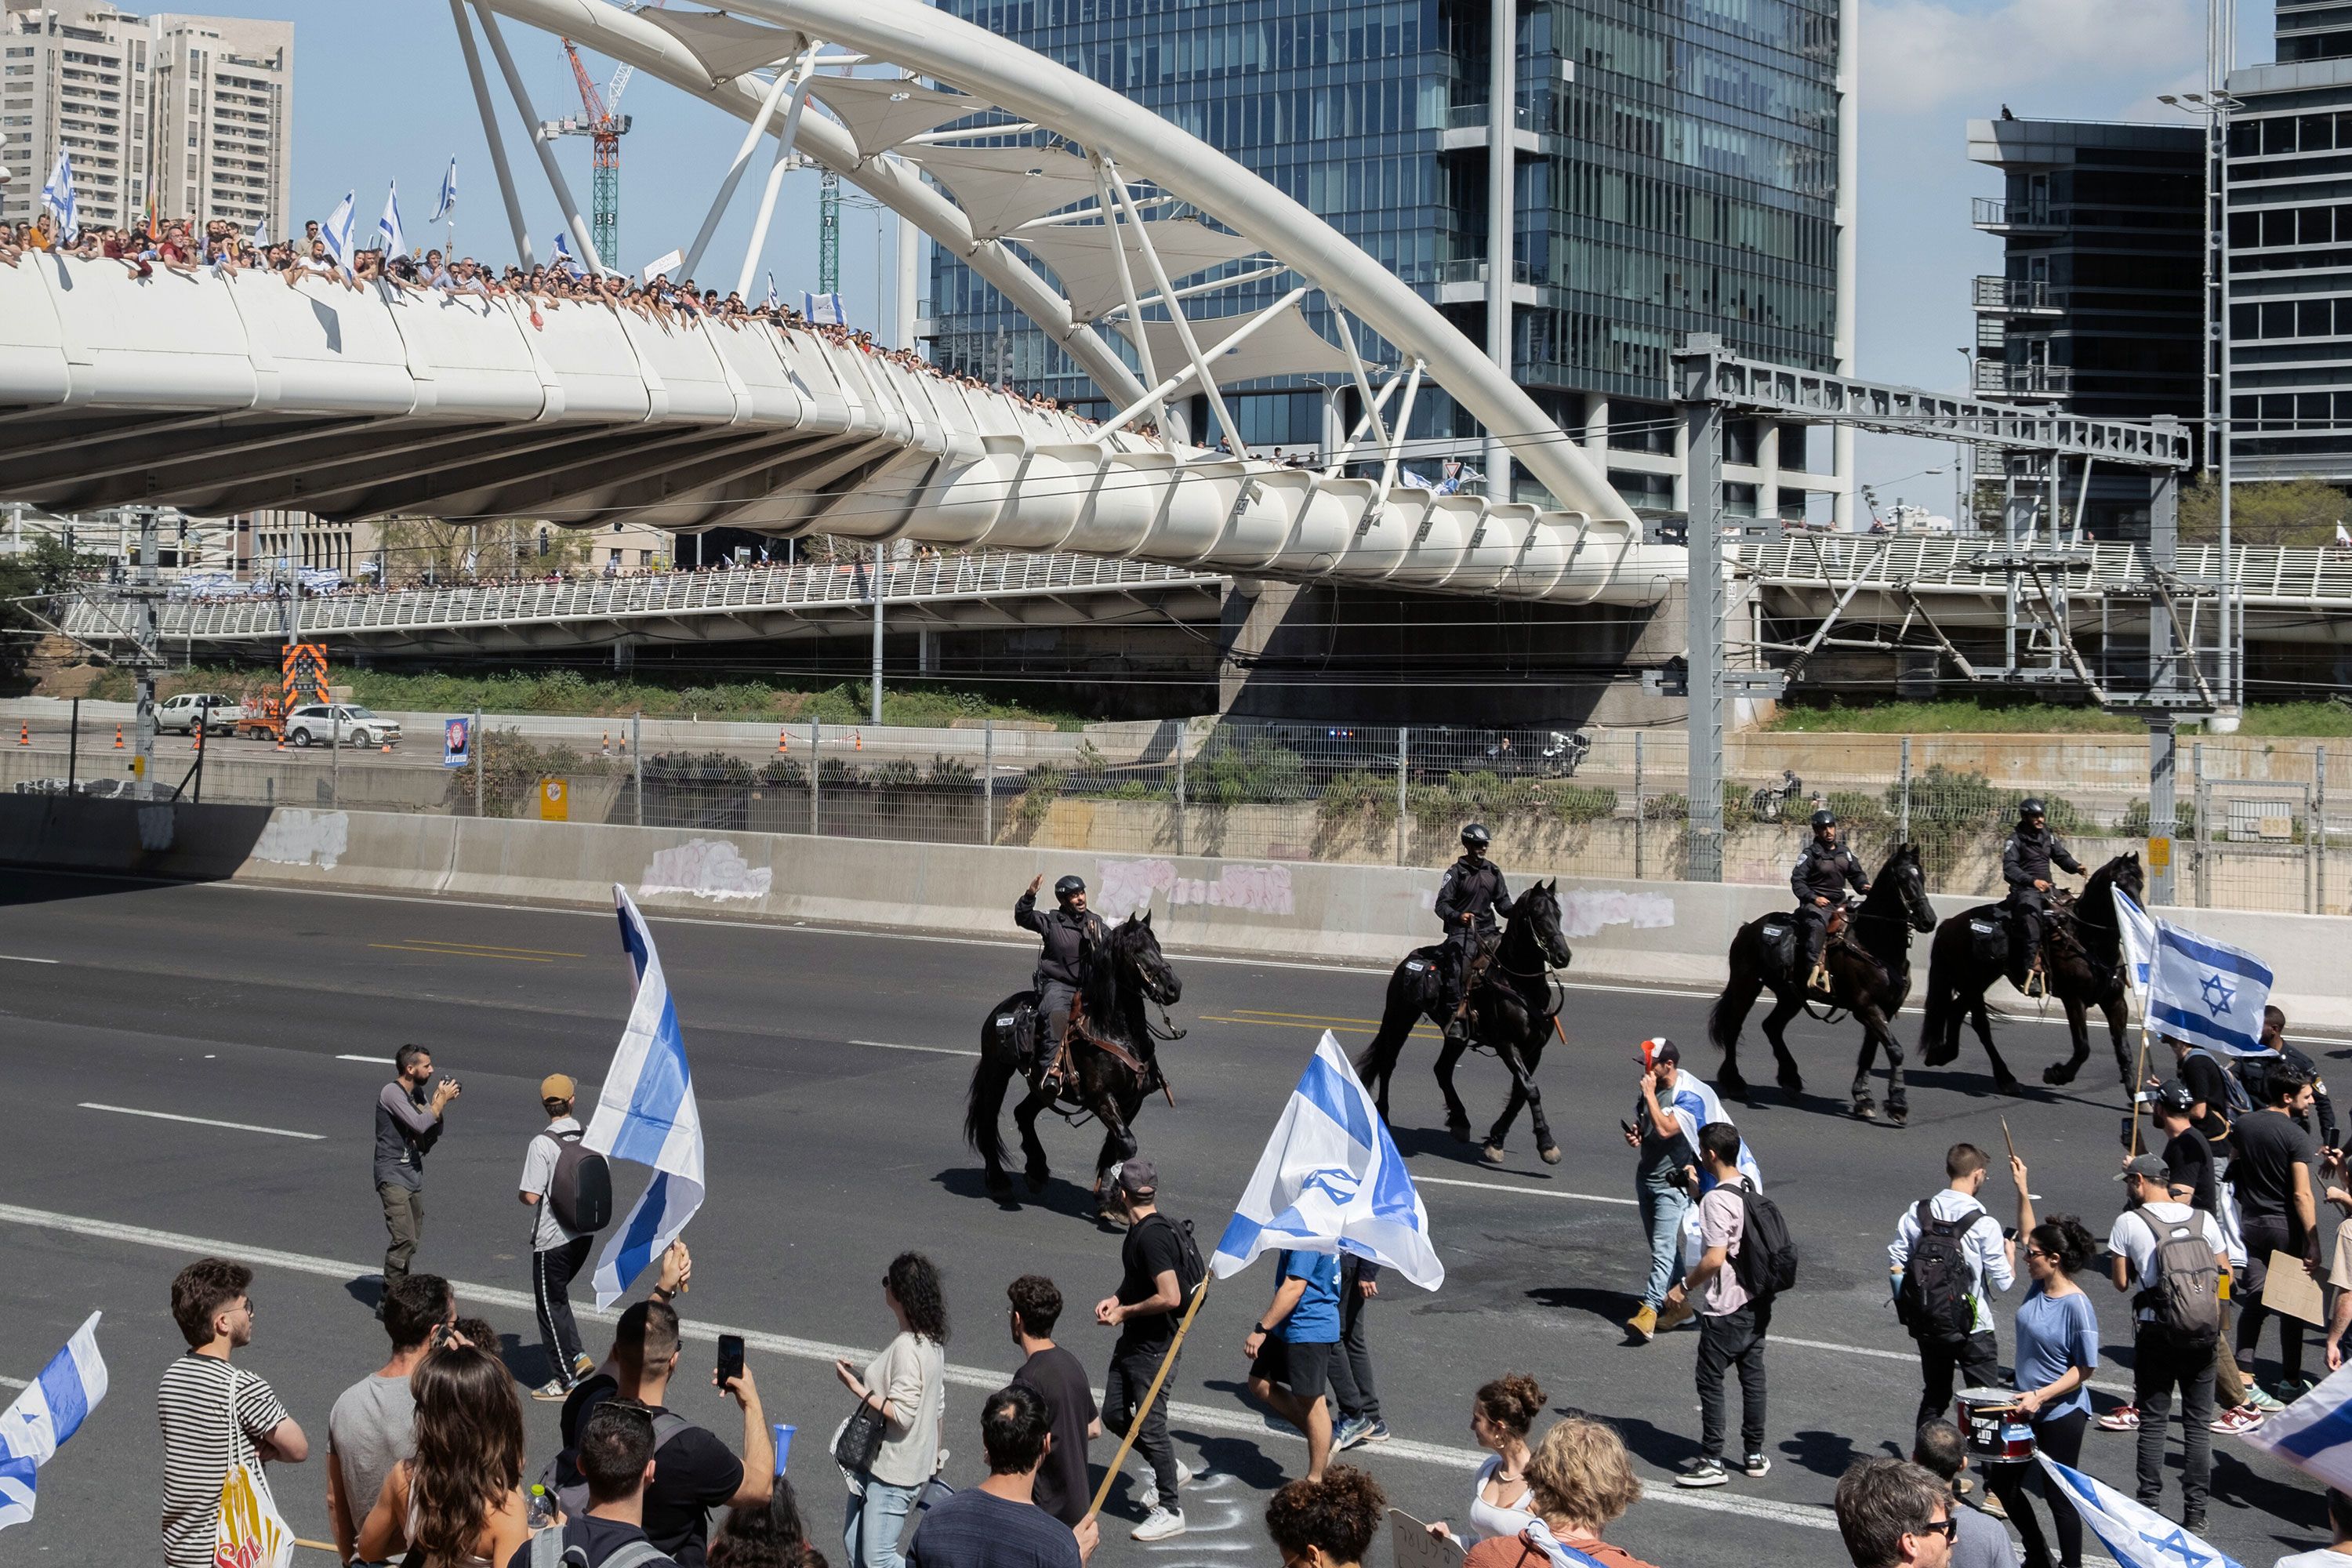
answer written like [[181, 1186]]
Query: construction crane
[[828, 234], [601, 121]]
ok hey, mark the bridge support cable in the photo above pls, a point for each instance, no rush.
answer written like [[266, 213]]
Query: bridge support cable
[[582, 235], [1141, 339], [524, 254], [757, 127], [1167, 290], [779, 166]]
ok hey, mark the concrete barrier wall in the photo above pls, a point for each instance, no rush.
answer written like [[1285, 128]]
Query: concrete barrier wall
[[1664, 933]]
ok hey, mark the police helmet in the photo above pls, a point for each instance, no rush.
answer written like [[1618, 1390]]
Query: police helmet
[[2031, 806], [1824, 817], [2175, 1096], [1476, 836], [1068, 886]]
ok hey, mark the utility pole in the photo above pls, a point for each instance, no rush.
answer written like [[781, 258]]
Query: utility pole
[[875, 717], [1702, 603], [146, 595], [828, 234]]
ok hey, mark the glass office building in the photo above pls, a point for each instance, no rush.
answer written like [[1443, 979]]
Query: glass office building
[[1675, 169]]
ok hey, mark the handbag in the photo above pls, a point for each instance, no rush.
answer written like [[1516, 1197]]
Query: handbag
[[249, 1531], [859, 1439]]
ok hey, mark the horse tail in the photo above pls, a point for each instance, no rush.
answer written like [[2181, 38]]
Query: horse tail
[[990, 1079], [1399, 1011], [1940, 1007]]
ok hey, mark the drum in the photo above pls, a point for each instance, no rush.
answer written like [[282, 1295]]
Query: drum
[[1996, 1433]]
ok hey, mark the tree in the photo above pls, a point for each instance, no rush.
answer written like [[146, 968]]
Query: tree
[[44, 568], [505, 547], [2292, 512]]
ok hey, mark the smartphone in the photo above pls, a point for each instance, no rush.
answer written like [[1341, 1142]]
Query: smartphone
[[731, 1358], [1628, 1126]]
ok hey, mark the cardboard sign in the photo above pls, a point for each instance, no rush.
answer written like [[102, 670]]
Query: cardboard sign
[[1415, 1547], [2290, 1288]]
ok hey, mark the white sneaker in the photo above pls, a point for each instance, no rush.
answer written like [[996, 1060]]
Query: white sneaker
[[1149, 1496], [1159, 1525]]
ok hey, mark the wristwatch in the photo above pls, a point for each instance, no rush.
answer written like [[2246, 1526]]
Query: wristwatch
[[1256, 1328]]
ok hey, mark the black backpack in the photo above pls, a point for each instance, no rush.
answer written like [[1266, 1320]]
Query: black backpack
[[579, 1193], [1937, 1300], [1765, 1262], [1190, 1270]]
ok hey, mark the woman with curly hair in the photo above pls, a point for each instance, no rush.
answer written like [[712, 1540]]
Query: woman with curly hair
[[1501, 1414], [2057, 1351], [1329, 1523], [906, 1385], [458, 1503], [765, 1535], [1578, 1480]]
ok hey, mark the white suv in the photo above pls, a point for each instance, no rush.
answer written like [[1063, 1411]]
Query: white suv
[[314, 725]]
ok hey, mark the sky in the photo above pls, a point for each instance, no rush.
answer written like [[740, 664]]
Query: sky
[[380, 94]]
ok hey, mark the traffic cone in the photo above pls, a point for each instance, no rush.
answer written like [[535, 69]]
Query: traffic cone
[[24, 734], [196, 740], [624, 745], [387, 747], [281, 740], [857, 740], [780, 747], [118, 737]]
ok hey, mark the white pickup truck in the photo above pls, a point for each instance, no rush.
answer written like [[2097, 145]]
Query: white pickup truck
[[180, 715]]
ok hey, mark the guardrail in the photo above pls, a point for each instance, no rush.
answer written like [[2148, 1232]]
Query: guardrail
[[2260, 572]]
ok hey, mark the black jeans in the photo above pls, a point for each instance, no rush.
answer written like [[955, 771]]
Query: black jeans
[[2264, 1236], [1733, 1340], [1131, 1375], [1351, 1368], [2159, 1366], [2061, 1438], [1976, 1359], [552, 1273]]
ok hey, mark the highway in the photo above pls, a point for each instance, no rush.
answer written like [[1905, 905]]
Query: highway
[[197, 1064]]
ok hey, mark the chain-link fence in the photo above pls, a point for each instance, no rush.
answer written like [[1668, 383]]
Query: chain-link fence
[[2253, 824]]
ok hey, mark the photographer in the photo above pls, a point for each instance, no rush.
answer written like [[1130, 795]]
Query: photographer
[[407, 1123]]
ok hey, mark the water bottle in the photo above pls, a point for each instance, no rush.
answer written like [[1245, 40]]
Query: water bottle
[[542, 1507]]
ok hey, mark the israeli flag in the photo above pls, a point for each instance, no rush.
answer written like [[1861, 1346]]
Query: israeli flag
[[337, 230], [823, 308], [1331, 1181], [47, 1413], [1416, 481], [448, 203], [2205, 992], [261, 232], [559, 255], [58, 196], [387, 227], [646, 1112], [773, 296], [2314, 1433], [2138, 1536]]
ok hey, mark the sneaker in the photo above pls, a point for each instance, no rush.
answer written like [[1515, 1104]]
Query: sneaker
[[1755, 1466], [2287, 1389], [583, 1369], [2194, 1523], [1644, 1323], [1674, 1314], [1150, 1497], [1990, 1506], [1378, 1433], [553, 1389], [2244, 1418], [2122, 1418], [1704, 1473], [1159, 1525], [1350, 1433], [2259, 1399]]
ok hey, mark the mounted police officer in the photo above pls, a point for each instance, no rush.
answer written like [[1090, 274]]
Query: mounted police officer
[[1070, 932], [1469, 898], [1819, 879], [2025, 866]]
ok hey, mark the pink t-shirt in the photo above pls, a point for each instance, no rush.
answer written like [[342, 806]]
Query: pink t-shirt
[[1722, 1219]]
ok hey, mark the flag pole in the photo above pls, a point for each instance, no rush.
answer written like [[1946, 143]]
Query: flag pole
[[1126, 1444]]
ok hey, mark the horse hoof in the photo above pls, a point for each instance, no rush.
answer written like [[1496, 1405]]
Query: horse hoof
[[1731, 1086], [1792, 1086], [1900, 1115], [1937, 1057], [1865, 1108], [1551, 1153], [1491, 1155], [1461, 1129], [1034, 1181], [2057, 1074], [998, 1183], [2010, 1087]]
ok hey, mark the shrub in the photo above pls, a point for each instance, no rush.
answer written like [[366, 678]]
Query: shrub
[[1249, 771], [1583, 803], [1351, 793]]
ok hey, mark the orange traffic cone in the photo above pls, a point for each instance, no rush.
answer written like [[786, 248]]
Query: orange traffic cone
[[118, 737], [196, 740], [387, 747], [281, 740], [624, 745], [24, 734], [857, 740], [606, 750], [780, 747]]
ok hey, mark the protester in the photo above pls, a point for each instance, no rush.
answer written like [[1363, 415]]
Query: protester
[[1895, 1514], [2339, 1524], [1290, 1348], [1352, 1389], [2057, 1351], [214, 1415], [766, 1535], [1665, 1170], [618, 1371], [2271, 1174], [407, 1124], [1946, 1257], [1061, 1379], [373, 1425], [1731, 1329], [906, 1385], [456, 1501], [1328, 1522], [2252, 1069], [2187, 1153], [998, 1524], [1580, 1480], [2218, 1095], [616, 1454], [1501, 1414], [1981, 1543], [557, 1254], [1144, 1311], [2172, 1257]]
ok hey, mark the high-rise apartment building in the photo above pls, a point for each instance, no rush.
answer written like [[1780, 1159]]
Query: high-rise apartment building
[[195, 111], [1666, 168]]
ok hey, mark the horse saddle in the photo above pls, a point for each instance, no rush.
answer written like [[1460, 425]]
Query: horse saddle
[[1018, 1024], [1779, 935]]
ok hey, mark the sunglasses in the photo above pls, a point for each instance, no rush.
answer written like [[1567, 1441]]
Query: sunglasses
[[1948, 1527]]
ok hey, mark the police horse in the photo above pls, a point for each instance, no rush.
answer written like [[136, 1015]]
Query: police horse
[[1512, 1013], [1869, 964], [2083, 963], [1107, 1068]]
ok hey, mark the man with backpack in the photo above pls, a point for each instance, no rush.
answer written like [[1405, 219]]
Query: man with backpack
[[617, 1456], [2171, 1258], [1747, 1261], [1160, 1269], [1947, 1254], [569, 1187]]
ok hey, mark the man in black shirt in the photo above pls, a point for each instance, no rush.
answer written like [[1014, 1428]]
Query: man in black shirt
[[2188, 1154], [1056, 1374], [2270, 1169], [1144, 1312], [616, 1454], [997, 1524], [2210, 1087]]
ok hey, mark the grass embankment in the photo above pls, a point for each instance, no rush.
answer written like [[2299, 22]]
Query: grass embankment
[[1966, 716]]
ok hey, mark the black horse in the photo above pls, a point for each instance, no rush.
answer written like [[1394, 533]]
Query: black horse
[[1511, 1011], [1870, 973], [2083, 961], [1107, 1071]]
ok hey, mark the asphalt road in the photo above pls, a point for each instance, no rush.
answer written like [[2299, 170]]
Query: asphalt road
[[830, 1070]]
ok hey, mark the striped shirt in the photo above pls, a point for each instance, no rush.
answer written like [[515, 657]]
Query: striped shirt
[[199, 1445]]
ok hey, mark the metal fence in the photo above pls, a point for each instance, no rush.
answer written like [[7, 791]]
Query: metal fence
[[2260, 824]]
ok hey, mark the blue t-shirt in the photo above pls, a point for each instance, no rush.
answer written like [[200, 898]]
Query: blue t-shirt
[[1315, 1320], [2054, 1332]]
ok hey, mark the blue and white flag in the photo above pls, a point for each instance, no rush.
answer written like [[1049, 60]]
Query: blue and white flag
[[261, 232], [646, 1112], [1415, 481], [823, 308], [559, 255], [773, 296], [2205, 992], [48, 1413], [337, 230], [1331, 1181], [58, 196], [2137, 1535], [2314, 1433], [448, 203], [387, 227]]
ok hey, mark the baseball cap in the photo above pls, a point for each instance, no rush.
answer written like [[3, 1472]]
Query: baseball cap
[[1138, 1177], [1660, 1051], [2150, 1167], [557, 1085], [2175, 1096]]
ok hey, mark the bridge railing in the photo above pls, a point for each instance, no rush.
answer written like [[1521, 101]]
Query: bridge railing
[[2261, 572]]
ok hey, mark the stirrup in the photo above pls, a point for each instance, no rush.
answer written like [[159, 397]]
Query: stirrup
[[2037, 984], [1819, 980]]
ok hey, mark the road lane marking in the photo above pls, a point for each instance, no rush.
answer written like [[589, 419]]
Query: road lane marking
[[1310, 1017], [928, 1050], [380, 1061], [987, 1379], [20, 958], [13, 1383], [491, 947], [1279, 1024], [455, 953], [203, 1122], [1531, 1192]]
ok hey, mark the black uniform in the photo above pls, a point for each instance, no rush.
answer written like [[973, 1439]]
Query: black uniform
[[1061, 966], [1822, 871], [2255, 1073], [1473, 888], [2026, 860]]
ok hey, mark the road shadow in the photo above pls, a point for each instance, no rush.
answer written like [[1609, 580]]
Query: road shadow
[[1610, 1307], [367, 1291], [1830, 1454], [1439, 1144], [1061, 1196], [1646, 1440]]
